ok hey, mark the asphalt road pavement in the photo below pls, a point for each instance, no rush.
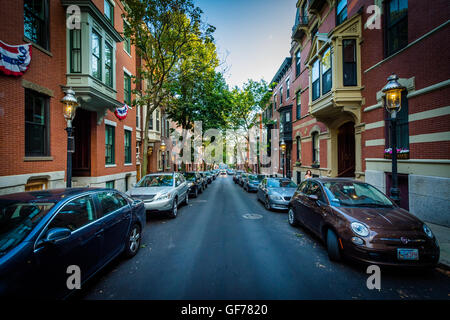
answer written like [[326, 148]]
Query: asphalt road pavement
[[225, 245]]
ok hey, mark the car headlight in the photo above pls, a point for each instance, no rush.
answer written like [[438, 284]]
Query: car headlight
[[427, 231], [163, 196], [275, 196], [360, 229], [190, 184]]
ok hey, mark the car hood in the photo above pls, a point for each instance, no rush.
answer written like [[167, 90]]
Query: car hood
[[383, 218], [145, 191], [285, 192]]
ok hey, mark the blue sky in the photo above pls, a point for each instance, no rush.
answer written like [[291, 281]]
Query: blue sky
[[253, 36]]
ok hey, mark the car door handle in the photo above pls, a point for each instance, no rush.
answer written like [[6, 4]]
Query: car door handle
[[100, 232]]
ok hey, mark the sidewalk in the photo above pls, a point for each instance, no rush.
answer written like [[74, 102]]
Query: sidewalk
[[443, 236]]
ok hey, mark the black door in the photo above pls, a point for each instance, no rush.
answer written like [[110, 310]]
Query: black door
[[82, 134], [116, 219], [81, 249], [346, 150]]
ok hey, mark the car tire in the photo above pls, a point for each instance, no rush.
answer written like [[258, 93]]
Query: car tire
[[267, 204], [333, 246], [174, 211], [133, 242], [196, 192], [291, 218], [186, 199]]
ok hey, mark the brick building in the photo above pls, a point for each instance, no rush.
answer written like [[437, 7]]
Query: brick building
[[340, 60], [98, 64]]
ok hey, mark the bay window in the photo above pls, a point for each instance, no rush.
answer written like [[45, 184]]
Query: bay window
[[96, 55], [349, 62], [108, 64], [75, 51], [315, 80], [326, 71]]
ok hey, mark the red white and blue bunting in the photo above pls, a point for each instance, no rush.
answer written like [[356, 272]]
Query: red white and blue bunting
[[14, 60], [121, 113]]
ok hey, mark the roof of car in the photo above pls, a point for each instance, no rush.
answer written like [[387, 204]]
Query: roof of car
[[325, 179], [52, 195]]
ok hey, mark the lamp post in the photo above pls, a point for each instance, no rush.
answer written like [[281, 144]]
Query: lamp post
[[162, 147], [393, 105], [70, 104], [283, 153]]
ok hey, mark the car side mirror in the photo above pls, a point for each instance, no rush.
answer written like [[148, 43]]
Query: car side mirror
[[55, 235], [313, 197]]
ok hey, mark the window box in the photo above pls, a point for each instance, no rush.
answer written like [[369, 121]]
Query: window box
[[315, 165], [402, 154]]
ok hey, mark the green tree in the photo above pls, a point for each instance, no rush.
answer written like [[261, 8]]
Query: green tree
[[161, 31]]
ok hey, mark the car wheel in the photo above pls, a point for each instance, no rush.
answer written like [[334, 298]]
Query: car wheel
[[174, 211], [133, 241], [267, 204], [333, 246], [291, 218], [186, 199], [196, 192]]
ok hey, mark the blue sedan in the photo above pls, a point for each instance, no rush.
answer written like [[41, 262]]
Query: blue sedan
[[47, 236]]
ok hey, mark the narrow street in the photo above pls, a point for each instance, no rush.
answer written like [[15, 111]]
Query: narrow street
[[211, 251]]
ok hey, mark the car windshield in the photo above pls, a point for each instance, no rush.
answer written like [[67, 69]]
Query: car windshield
[[17, 219], [355, 194], [156, 181], [190, 176], [256, 177], [279, 183]]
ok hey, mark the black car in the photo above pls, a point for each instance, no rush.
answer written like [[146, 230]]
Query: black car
[[195, 183], [204, 179], [209, 176], [46, 234]]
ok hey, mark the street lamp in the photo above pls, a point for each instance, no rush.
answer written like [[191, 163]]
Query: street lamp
[[393, 91], [283, 153], [162, 147], [70, 104]]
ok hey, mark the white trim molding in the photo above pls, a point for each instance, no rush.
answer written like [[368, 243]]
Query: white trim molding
[[128, 128], [375, 142], [430, 137], [110, 123]]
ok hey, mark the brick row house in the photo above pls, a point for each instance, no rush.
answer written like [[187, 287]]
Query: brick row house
[[330, 97], [98, 63]]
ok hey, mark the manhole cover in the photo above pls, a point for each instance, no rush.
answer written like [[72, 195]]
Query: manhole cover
[[252, 216]]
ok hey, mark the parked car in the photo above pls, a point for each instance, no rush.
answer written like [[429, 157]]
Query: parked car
[[356, 220], [209, 176], [237, 176], [195, 183], [276, 193], [252, 181], [42, 233], [241, 179], [230, 172], [204, 179], [213, 174], [162, 192]]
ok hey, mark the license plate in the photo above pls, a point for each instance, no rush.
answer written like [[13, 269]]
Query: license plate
[[408, 254]]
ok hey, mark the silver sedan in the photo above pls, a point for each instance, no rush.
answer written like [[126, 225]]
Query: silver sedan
[[162, 192], [275, 193]]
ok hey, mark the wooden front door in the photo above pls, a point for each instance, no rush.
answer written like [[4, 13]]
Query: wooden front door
[[82, 133], [346, 150]]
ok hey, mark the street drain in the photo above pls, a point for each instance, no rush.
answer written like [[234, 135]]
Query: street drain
[[252, 216]]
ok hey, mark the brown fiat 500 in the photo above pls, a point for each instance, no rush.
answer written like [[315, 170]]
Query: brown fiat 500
[[358, 221]]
